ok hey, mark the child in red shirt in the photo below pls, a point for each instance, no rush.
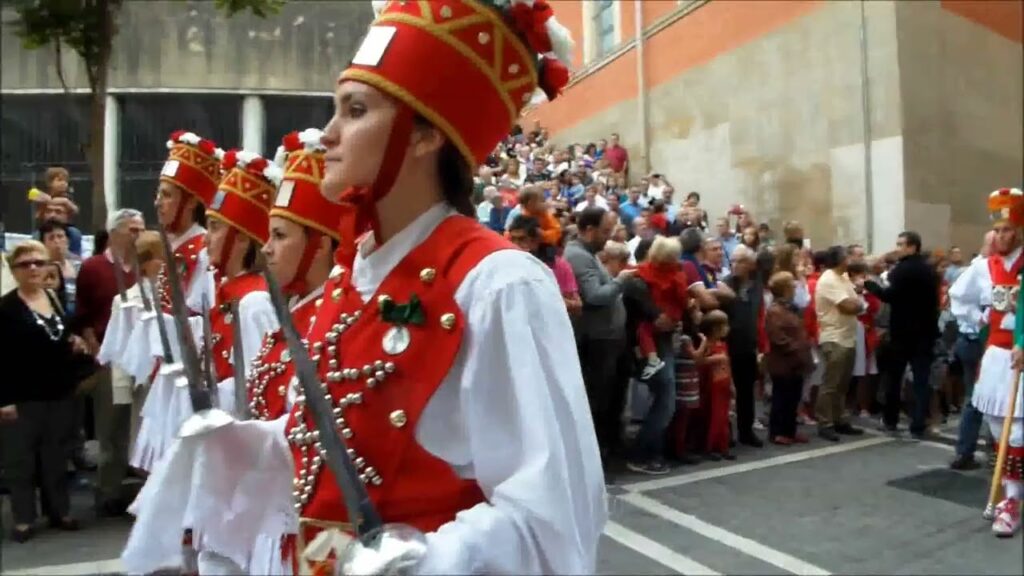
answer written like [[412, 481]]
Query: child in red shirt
[[668, 283], [715, 371]]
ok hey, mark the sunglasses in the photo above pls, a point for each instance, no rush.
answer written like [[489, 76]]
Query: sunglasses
[[31, 264]]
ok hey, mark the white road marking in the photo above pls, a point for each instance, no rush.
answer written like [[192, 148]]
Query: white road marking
[[110, 566], [747, 546], [655, 551], [672, 481]]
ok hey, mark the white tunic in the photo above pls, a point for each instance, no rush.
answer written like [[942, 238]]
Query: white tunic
[[970, 298], [512, 413]]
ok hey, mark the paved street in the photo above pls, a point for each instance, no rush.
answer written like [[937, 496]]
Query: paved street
[[873, 505]]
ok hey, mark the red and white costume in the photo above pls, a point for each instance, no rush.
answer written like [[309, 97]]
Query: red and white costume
[[448, 355], [987, 293]]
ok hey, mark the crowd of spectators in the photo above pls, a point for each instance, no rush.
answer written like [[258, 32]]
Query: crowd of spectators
[[697, 333]]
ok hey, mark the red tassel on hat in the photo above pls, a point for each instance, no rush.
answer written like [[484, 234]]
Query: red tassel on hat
[[291, 142], [554, 76], [257, 165], [207, 147], [230, 160], [530, 21], [176, 135]]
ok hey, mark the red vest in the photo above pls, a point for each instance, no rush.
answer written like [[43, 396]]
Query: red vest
[[1004, 294], [186, 257], [229, 291], [380, 396], [1005, 286], [273, 369]]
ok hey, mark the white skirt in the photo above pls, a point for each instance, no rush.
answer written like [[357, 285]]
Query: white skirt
[[992, 390], [232, 487]]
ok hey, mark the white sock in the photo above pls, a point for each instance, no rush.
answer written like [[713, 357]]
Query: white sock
[[1014, 489]]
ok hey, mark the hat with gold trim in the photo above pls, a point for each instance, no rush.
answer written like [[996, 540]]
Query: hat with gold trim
[[466, 66], [245, 194], [301, 157], [193, 165], [1007, 205]]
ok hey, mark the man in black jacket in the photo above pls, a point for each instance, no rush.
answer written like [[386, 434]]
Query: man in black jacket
[[913, 297]]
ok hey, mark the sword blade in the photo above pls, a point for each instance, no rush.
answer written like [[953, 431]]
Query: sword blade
[[211, 379], [119, 277], [238, 365], [198, 395], [165, 340], [362, 515]]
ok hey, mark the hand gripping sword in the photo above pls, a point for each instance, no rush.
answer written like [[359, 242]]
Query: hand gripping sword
[[378, 548], [149, 311], [238, 365], [205, 417]]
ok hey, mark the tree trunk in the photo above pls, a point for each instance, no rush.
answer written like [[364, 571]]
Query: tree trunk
[[94, 154]]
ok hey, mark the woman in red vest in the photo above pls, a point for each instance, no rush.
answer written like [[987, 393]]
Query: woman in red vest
[[447, 354]]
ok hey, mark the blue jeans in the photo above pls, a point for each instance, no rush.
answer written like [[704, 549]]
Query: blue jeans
[[650, 441], [969, 353]]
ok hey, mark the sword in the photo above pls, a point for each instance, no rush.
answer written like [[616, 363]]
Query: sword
[[150, 309], [211, 379], [238, 364], [119, 279], [362, 515], [199, 396]]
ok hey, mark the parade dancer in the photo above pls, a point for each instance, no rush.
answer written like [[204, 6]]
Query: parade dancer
[[987, 294], [303, 238], [188, 183], [446, 355], [238, 229]]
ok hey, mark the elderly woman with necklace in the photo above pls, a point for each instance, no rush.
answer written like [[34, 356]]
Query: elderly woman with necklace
[[36, 400]]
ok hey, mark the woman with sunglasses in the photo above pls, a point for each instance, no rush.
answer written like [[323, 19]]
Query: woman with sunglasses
[[44, 361]]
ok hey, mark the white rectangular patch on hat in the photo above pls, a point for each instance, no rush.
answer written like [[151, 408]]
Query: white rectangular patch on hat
[[374, 45], [218, 200], [170, 168], [284, 194]]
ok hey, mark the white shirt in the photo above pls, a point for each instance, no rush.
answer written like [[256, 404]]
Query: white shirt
[[971, 295], [599, 202], [524, 434]]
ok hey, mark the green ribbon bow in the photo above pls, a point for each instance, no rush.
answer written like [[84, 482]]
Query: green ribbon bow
[[402, 314]]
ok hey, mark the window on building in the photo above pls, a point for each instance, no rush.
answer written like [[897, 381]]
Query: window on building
[[604, 24]]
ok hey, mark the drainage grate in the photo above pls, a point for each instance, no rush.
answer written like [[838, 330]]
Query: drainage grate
[[948, 485]]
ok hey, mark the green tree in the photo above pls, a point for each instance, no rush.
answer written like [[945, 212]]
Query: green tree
[[88, 28]]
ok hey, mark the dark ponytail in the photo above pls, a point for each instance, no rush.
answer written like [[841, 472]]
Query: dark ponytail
[[456, 175]]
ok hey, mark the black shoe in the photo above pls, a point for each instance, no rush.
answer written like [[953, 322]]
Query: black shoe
[[685, 460], [22, 536], [112, 508], [649, 468], [713, 457], [829, 434], [849, 430], [963, 462], [729, 456], [752, 441]]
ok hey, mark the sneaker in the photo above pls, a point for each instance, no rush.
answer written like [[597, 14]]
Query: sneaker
[[806, 420], [649, 468], [1007, 521], [653, 366], [963, 462], [829, 434], [758, 425]]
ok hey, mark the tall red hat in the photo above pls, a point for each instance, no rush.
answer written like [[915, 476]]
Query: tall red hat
[[193, 165], [467, 66], [1007, 205], [301, 157], [244, 196]]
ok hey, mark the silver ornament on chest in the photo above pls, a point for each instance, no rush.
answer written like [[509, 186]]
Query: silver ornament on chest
[[1000, 298], [396, 340]]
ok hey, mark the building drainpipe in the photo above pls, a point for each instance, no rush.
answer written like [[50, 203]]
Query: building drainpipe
[[865, 88], [641, 86]]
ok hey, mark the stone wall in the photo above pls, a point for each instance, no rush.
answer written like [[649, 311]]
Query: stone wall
[[171, 44], [963, 129]]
